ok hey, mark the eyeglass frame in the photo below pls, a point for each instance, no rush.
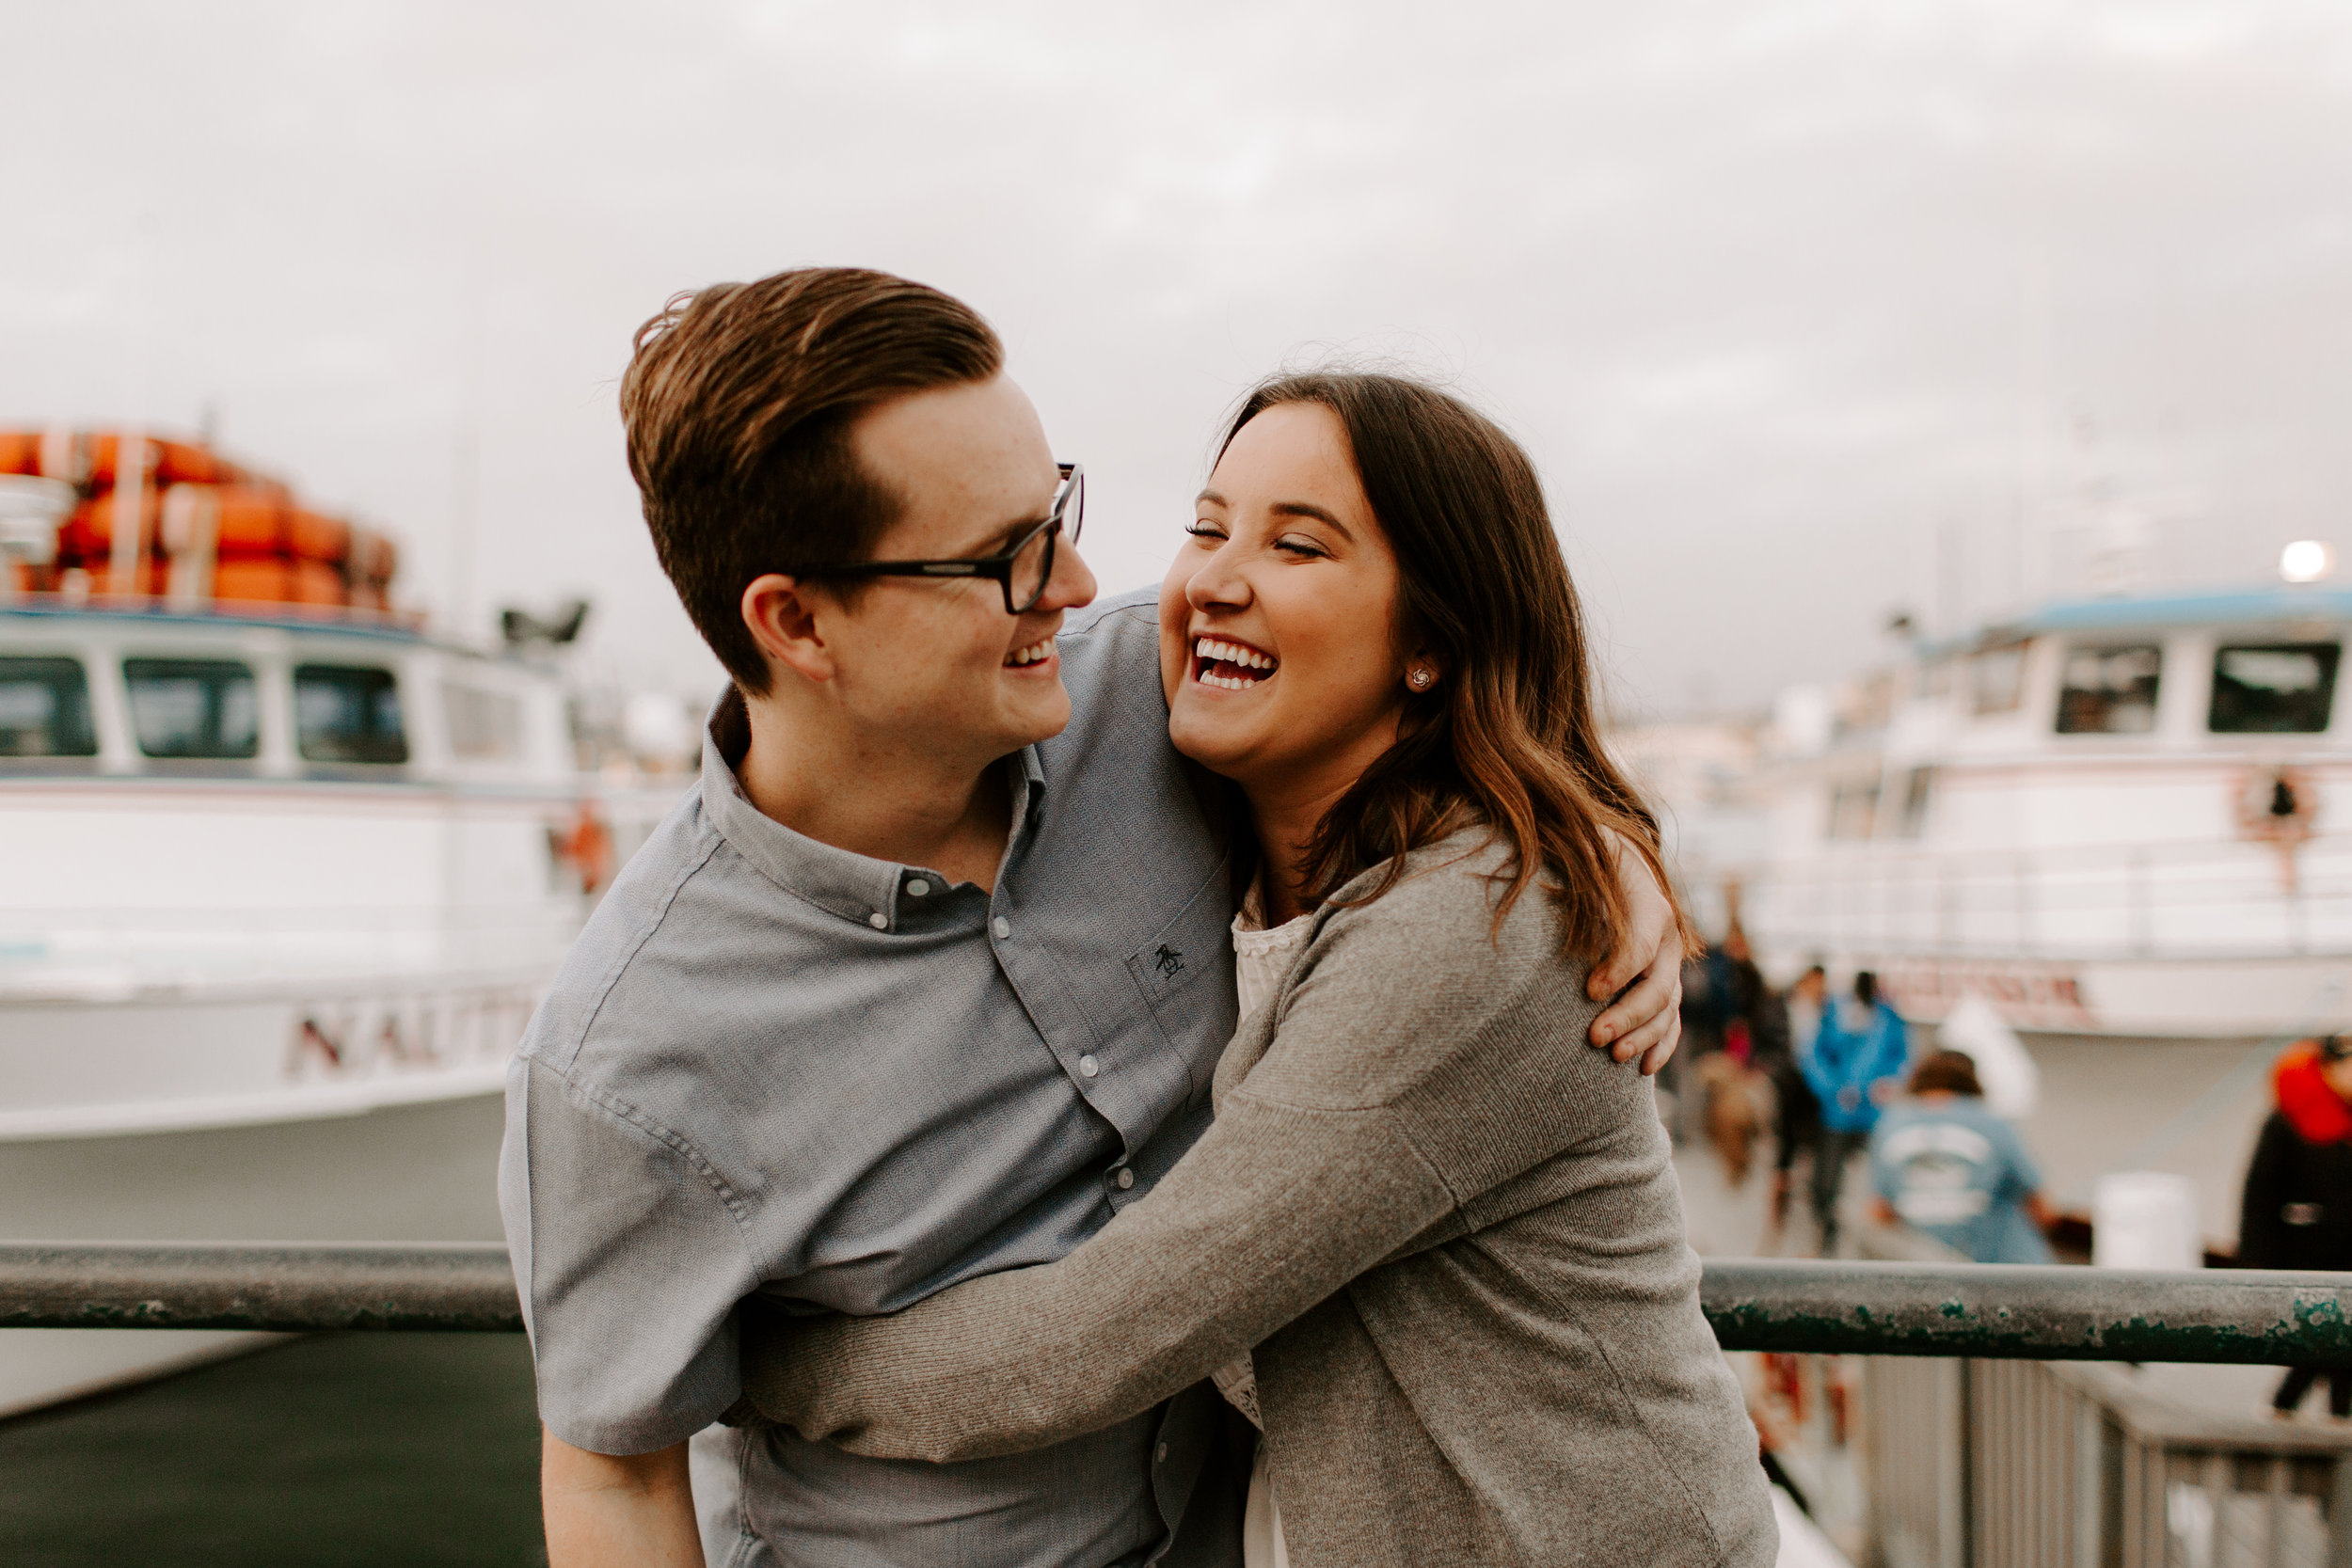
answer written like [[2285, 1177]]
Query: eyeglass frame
[[1069, 495]]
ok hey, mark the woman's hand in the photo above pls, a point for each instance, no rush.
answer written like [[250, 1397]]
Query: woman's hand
[[1646, 1021]]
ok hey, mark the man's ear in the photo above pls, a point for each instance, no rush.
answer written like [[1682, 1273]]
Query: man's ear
[[781, 614]]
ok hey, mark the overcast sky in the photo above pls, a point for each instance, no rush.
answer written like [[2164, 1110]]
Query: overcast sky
[[1806, 310]]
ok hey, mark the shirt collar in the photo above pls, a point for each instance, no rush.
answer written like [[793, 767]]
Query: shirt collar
[[855, 887]]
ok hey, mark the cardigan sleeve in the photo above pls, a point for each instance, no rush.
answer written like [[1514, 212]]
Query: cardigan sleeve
[[1323, 1160], [1274, 1209]]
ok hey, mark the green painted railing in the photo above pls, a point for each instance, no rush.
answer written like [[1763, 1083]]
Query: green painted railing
[[2010, 1312], [1951, 1309]]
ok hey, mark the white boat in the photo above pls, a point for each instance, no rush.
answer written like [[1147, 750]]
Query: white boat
[[280, 891], [2125, 817]]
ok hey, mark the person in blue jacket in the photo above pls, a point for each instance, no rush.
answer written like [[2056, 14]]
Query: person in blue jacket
[[1942, 1163], [1855, 1066]]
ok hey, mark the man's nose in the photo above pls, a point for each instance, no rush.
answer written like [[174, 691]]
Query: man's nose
[[1072, 585]]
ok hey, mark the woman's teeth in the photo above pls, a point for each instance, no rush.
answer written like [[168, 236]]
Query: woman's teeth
[[1029, 655], [1230, 665]]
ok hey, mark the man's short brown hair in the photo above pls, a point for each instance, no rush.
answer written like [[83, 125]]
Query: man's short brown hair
[[738, 401]]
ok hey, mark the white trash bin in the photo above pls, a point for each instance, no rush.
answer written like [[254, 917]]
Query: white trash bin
[[2145, 1219]]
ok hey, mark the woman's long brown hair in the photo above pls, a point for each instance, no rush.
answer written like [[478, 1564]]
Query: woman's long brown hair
[[1507, 738]]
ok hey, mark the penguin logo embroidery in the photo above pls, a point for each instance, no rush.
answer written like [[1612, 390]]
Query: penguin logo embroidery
[[1168, 960]]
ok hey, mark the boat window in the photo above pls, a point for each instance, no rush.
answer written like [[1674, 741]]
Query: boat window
[[1918, 791], [44, 709], [1997, 678], [1853, 809], [194, 707], [348, 713], [2273, 688], [484, 726], [2109, 690]]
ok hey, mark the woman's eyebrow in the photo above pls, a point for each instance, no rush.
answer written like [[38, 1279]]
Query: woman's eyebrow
[[1212, 497]]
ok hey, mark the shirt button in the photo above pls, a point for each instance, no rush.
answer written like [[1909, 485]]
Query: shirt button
[[877, 920], [919, 887], [1159, 1455], [1126, 1180], [1002, 926], [1088, 1066]]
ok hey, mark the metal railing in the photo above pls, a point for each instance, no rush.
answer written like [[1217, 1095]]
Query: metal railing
[[1849, 1308], [1981, 1453], [2043, 1313], [1985, 1463], [277, 1289], [2193, 898]]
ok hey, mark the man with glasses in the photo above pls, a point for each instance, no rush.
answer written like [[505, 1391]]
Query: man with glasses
[[1021, 571], [883, 1004]]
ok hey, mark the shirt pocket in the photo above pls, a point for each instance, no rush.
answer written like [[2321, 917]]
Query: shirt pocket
[[1186, 973]]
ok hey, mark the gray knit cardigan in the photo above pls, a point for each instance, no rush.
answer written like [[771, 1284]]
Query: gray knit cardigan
[[1445, 1229]]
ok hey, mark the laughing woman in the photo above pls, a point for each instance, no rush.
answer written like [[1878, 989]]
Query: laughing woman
[[1433, 1244]]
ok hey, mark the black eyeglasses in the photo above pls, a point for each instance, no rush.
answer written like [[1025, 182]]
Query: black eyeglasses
[[1021, 571]]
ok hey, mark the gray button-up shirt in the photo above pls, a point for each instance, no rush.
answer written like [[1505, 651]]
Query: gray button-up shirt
[[773, 1066]]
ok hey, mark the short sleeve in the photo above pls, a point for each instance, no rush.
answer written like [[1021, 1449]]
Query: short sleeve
[[629, 1263]]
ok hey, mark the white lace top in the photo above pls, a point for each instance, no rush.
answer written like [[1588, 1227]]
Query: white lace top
[[1261, 958]]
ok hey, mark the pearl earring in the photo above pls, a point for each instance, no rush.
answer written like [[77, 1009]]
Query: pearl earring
[[1421, 679]]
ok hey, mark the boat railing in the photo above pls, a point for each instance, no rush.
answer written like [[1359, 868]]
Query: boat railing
[[225, 612], [2180, 899], [169, 944], [193, 917]]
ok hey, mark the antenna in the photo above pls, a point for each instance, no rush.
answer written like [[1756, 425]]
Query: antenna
[[464, 494], [466, 465]]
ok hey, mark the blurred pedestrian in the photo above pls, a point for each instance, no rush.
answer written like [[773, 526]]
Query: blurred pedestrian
[[2296, 1212], [1785, 1026], [1705, 1001], [1855, 1066], [1702, 1015], [1741, 984], [1727, 1076], [1945, 1164], [1731, 1117]]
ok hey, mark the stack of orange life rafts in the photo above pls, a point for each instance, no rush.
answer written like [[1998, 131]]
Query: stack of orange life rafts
[[196, 529]]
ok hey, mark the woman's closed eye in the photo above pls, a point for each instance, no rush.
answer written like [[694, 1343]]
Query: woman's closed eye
[[1301, 545], [1201, 527]]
